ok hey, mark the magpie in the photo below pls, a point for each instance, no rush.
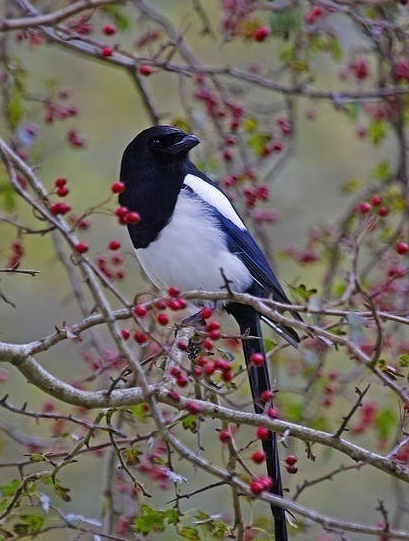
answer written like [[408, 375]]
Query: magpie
[[187, 233]]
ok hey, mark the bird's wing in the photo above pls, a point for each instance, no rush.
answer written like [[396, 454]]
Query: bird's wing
[[240, 242], [239, 239], [243, 244]]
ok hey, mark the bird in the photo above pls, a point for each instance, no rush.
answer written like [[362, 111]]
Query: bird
[[188, 233]]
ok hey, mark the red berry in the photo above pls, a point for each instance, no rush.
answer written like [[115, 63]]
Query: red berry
[[109, 29], [182, 303], [173, 291], [262, 432], [215, 334], [262, 483], [208, 344], [292, 469], [173, 395], [176, 304], [160, 304], [140, 337], [273, 413], [132, 218], [62, 191], [118, 187], [227, 376], [225, 435], [222, 364], [364, 208], [198, 371], [402, 247], [212, 325], [257, 359], [258, 457], [183, 345], [174, 371], [261, 33], [383, 211], [290, 460], [256, 487], [376, 200], [121, 212], [333, 375], [107, 51], [60, 182], [192, 408], [125, 334], [312, 16], [140, 310], [266, 395], [182, 380], [145, 70], [162, 318], [210, 367], [81, 247], [60, 208], [206, 312], [114, 245]]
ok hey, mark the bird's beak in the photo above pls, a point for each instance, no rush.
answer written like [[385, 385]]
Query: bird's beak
[[183, 145]]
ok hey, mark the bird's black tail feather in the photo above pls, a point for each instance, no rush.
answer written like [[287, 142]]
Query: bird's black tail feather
[[249, 322]]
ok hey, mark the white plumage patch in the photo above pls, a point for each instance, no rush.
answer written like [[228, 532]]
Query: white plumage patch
[[214, 197], [191, 249]]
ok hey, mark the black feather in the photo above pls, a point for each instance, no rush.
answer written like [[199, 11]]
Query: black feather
[[249, 322]]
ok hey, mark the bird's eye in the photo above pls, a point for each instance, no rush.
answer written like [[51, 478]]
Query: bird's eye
[[156, 143]]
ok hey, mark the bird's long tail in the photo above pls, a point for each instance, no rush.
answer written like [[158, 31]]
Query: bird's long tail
[[249, 322]]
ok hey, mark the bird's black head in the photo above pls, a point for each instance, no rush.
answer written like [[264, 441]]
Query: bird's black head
[[160, 143], [153, 168]]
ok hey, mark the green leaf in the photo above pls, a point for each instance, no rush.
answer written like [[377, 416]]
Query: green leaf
[[211, 527], [404, 360], [29, 524], [286, 54], [377, 131], [319, 423], [9, 488], [334, 48], [140, 411], [131, 456], [285, 21], [62, 492], [8, 196], [121, 20], [302, 291], [250, 124], [294, 412], [172, 516], [317, 43], [150, 520], [188, 532], [190, 423], [385, 422], [352, 185], [382, 171], [36, 457], [338, 288], [15, 108], [258, 142], [269, 344]]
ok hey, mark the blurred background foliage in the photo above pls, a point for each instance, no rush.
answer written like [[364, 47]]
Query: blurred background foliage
[[328, 162]]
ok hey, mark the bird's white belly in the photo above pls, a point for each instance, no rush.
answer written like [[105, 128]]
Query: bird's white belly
[[190, 251]]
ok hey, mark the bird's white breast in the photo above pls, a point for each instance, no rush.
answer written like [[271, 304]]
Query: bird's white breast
[[190, 251]]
